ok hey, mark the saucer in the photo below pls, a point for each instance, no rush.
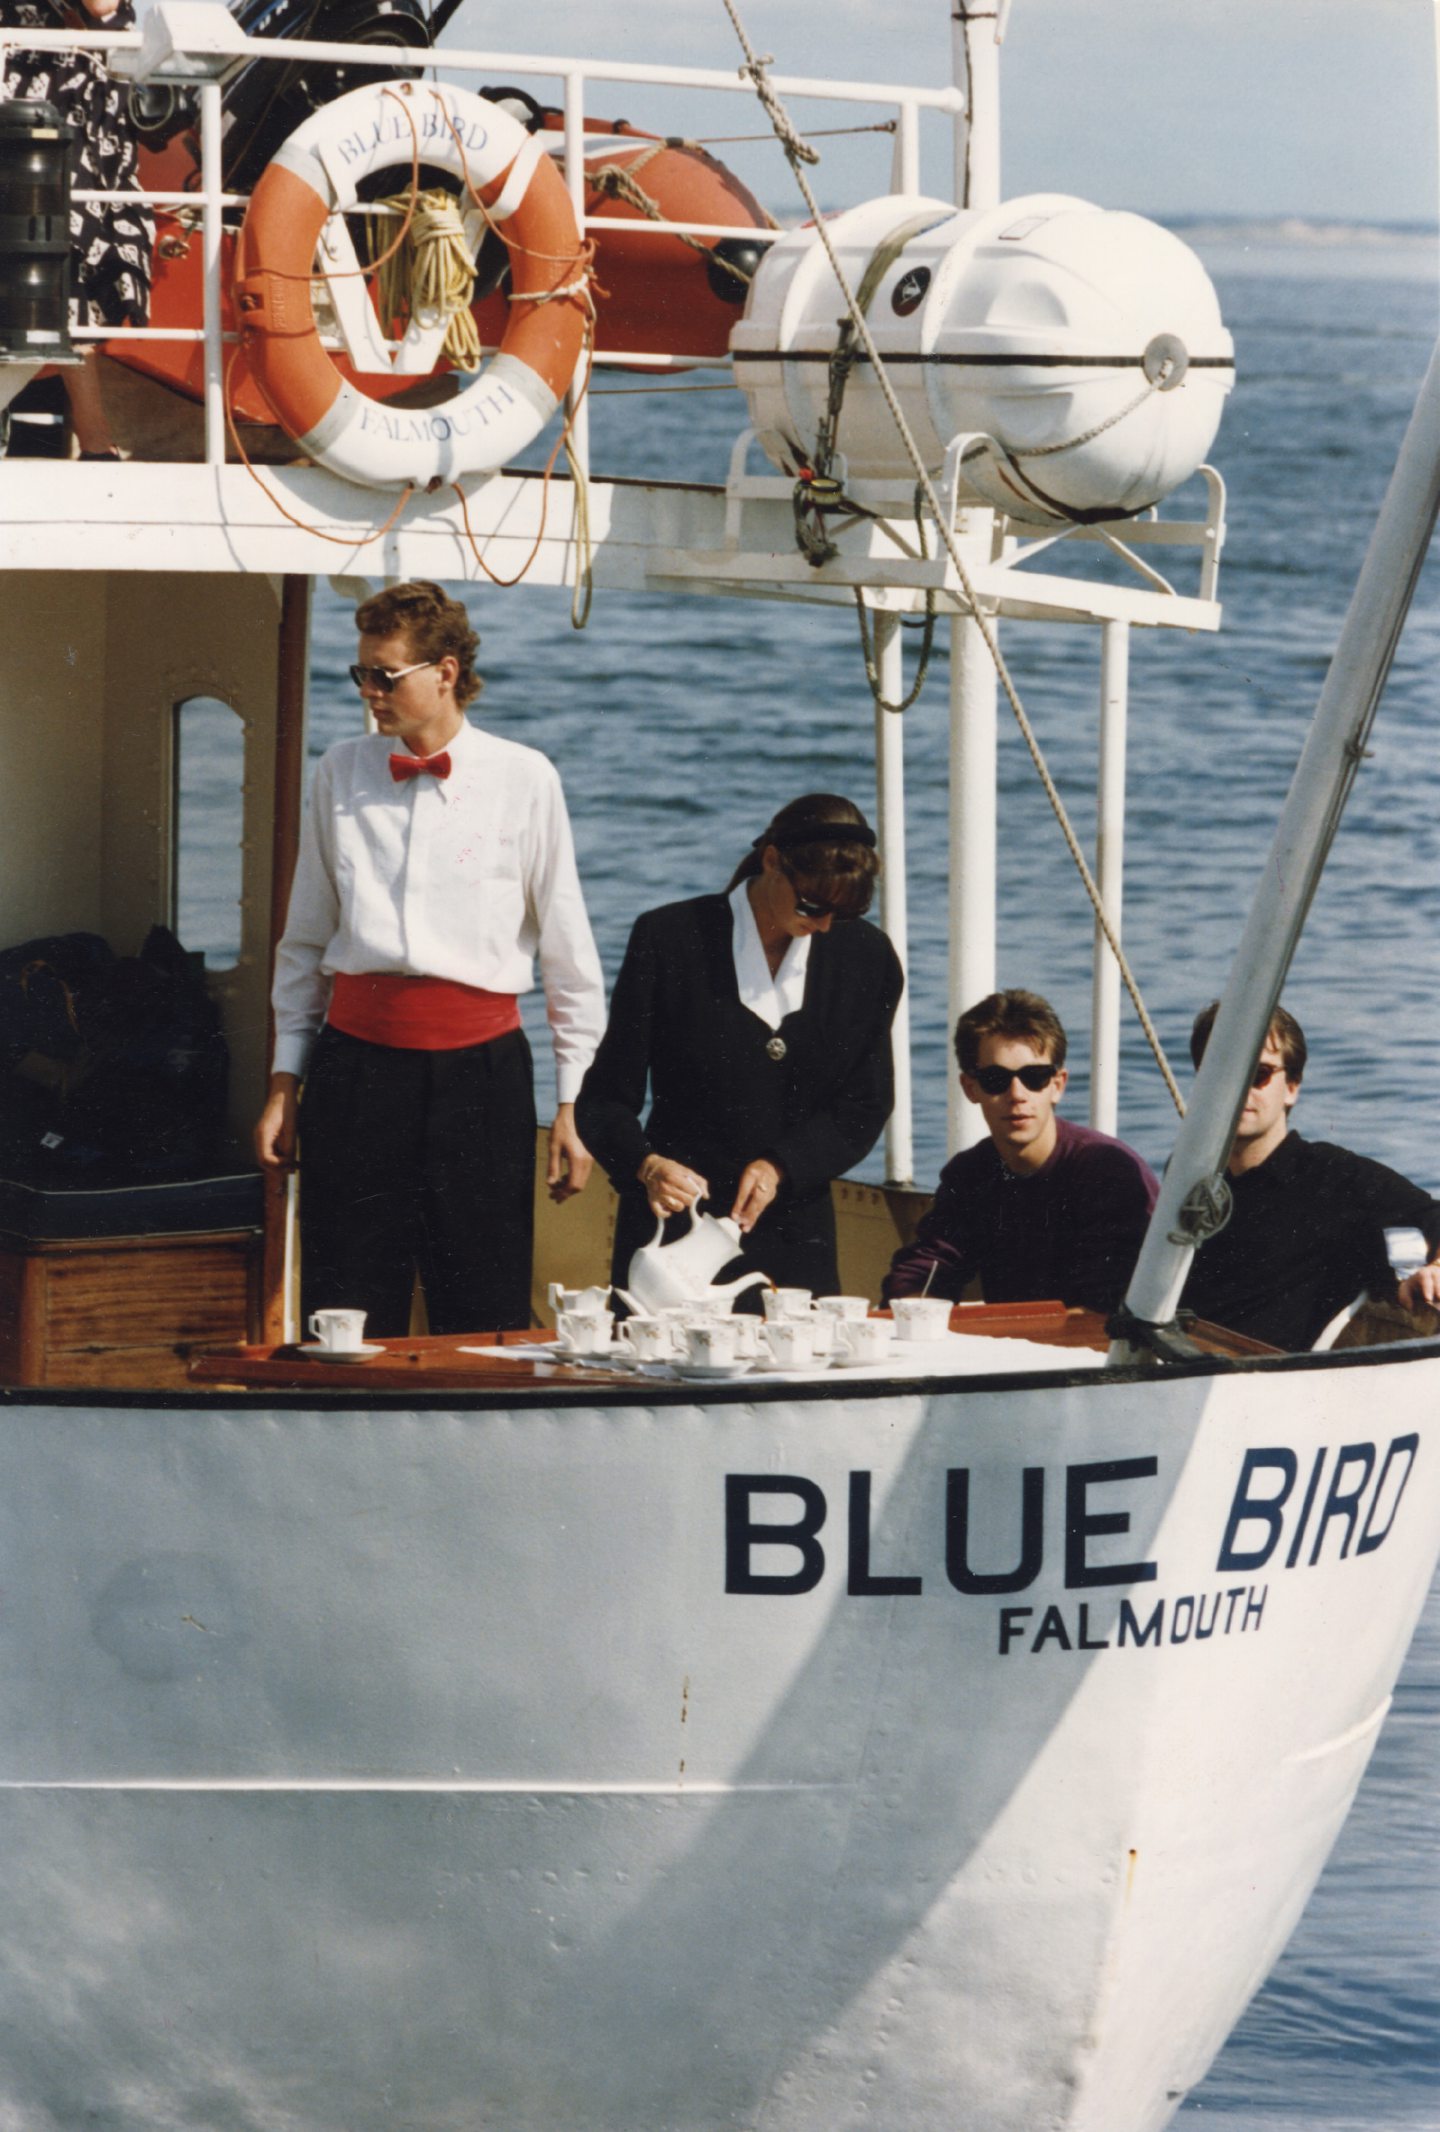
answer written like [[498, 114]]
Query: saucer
[[710, 1372], [339, 1354]]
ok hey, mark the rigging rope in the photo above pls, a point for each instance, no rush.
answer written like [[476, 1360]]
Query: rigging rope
[[817, 133], [617, 181], [800, 153], [927, 637]]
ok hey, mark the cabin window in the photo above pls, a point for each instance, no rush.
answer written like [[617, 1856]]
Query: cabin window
[[209, 829]]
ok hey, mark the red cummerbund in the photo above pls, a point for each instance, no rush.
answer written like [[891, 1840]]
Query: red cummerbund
[[419, 1013]]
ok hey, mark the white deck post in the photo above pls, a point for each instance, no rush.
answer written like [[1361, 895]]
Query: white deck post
[[975, 26], [905, 162], [894, 912], [973, 687], [212, 123], [1109, 873]]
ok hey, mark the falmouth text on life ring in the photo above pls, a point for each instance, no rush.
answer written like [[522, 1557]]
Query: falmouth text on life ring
[[316, 175]]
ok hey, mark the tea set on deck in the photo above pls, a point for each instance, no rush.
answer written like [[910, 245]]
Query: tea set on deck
[[681, 1320]]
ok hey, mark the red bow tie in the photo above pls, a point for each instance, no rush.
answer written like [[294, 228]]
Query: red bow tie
[[407, 766]]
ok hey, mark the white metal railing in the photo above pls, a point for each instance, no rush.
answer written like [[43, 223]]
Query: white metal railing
[[172, 46]]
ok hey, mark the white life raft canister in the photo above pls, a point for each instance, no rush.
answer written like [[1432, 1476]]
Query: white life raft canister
[[1082, 349], [318, 172]]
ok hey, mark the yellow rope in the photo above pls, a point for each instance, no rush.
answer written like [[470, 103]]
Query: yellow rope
[[432, 275]]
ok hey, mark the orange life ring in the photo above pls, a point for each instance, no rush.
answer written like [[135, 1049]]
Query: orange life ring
[[316, 174]]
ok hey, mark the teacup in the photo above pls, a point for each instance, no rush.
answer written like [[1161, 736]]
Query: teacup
[[867, 1339], [921, 1317], [649, 1339], [712, 1343], [843, 1306], [343, 1330], [585, 1332], [747, 1336], [824, 1331], [791, 1342], [586, 1300], [786, 1303]]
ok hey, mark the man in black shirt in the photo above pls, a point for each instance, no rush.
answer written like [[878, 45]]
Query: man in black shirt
[[1042, 1208], [1307, 1230]]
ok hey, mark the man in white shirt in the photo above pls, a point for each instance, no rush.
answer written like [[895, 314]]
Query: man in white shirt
[[436, 863]]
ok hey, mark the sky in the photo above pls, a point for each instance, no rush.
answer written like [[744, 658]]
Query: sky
[[1317, 108]]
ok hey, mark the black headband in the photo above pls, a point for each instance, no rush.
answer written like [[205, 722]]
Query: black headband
[[816, 832]]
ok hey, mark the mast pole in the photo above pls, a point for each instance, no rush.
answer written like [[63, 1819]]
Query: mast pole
[[976, 30], [1329, 763]]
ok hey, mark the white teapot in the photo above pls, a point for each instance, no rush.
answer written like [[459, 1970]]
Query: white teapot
[[683, 1271]]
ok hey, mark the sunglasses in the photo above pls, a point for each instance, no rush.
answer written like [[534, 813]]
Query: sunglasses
[[812, 907], [995, 1080], [1265, 1073], [384, 678]]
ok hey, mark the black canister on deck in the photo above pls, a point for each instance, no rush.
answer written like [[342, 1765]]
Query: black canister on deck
[[34, 234]]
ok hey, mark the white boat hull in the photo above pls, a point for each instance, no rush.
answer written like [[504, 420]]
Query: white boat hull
[[370, 1768]]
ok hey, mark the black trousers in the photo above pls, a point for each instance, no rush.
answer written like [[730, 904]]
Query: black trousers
[[418, 1159]]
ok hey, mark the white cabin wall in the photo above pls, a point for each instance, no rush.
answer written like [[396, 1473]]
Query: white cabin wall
[[52, 695], [169, 638]]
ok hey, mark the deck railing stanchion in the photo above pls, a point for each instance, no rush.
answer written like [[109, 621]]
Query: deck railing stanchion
[[894, 913], [905, 163], [1109, 873], [976, 50], [211, 123]]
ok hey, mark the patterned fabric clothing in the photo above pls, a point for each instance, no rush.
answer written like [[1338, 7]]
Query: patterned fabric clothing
[[112, 240]]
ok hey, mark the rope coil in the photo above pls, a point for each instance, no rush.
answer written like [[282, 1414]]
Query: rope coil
[[439, 281], [432, 274]]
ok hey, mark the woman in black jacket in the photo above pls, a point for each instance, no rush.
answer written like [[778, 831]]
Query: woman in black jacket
[[760, 1019]]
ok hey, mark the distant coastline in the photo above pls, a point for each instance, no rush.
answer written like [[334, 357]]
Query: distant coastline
[[1324, 232], [1321, 234], [1301, 247]]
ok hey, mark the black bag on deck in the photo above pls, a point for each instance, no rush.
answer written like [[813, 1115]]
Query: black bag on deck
[[41, 982], [117, 1066]]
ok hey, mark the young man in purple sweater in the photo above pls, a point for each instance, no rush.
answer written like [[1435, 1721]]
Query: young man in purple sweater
[[1043, 1208]]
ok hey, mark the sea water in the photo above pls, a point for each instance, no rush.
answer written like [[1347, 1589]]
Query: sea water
[[679, 725]]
